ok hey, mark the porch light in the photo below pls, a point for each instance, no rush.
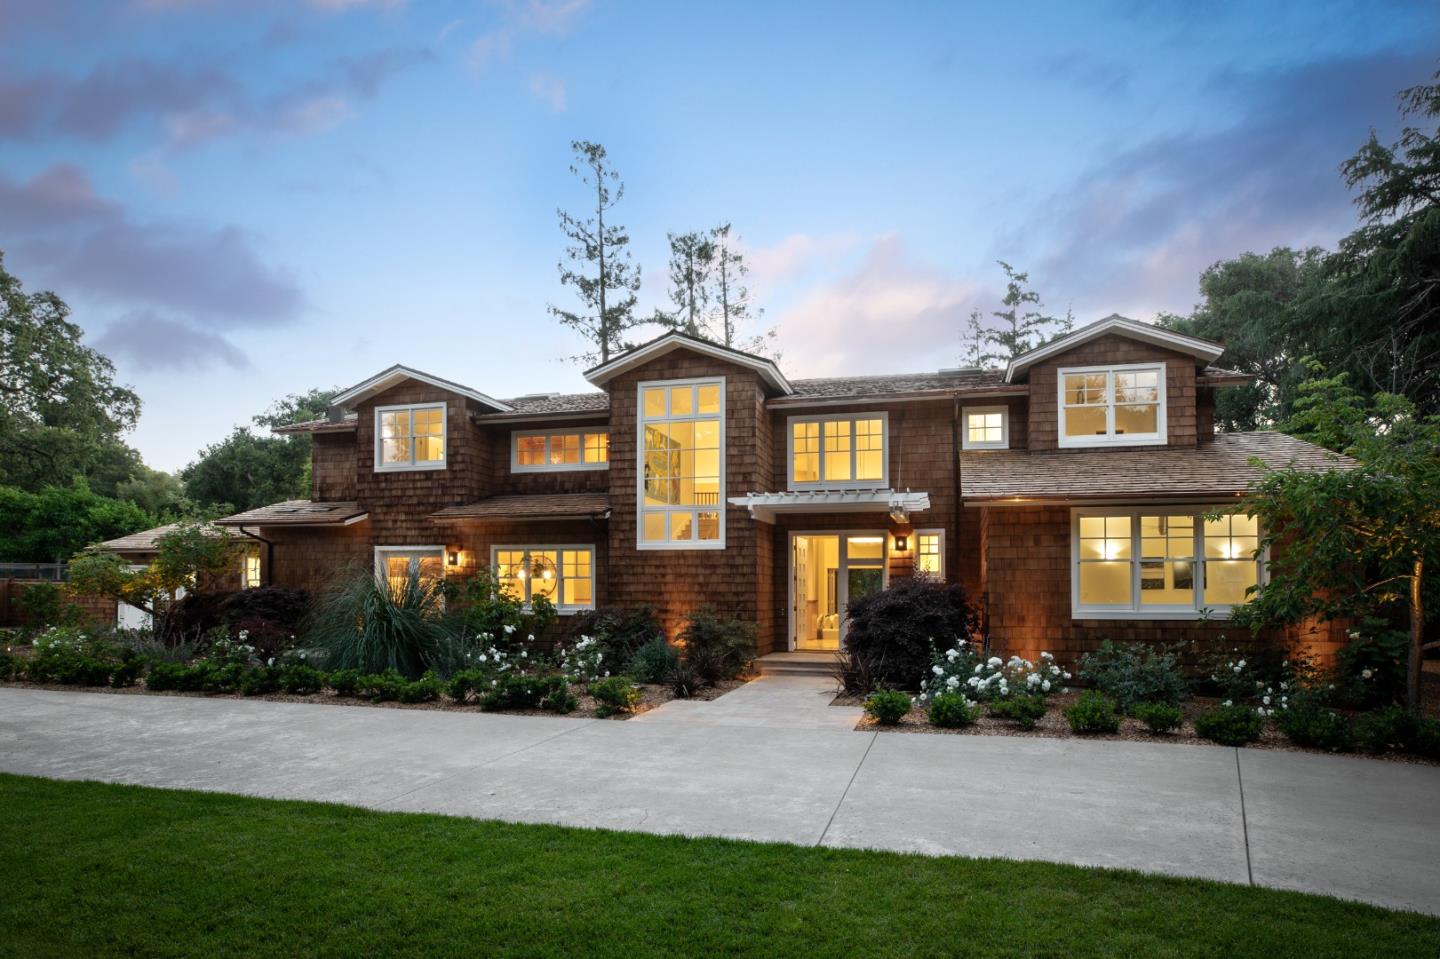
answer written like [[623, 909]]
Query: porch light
[[902, 543], [454, 557]]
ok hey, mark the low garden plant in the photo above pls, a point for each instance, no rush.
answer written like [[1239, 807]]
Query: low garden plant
[[621, 631], [1232, 725], [717, 647], [653, 662], [1133, 673], [1093, 713], [1022, 709], [1392, 728], [952, 711], [888, 706], [614, 694], [518, 691], [584, 661], [1306, 722], [1158, 717]]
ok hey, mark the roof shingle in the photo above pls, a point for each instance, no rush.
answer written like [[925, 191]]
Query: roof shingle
[[298, 512], [529, 507], [148, 541], [1220, 466]]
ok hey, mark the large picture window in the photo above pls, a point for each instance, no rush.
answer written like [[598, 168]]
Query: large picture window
[[682, 465], [839, 452], [1120, 405], [565, 575], [559, 450], [410, 437], [1153, 563], [395, 565]]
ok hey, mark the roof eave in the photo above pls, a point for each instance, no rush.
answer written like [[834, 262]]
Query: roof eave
[[661, 345], [1145, 332], [399, 373]]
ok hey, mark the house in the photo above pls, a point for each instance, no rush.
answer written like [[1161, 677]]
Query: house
[[1066, 492]]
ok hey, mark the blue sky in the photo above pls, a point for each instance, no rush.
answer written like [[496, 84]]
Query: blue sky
[[245, 199]]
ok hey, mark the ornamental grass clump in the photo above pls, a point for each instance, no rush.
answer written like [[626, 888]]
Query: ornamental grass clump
[[1093, 713], [364, 623], [888, 706], [1230, 725], [1159, 718]]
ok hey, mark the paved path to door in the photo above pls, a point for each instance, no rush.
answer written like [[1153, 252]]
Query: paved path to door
[[772, 762]]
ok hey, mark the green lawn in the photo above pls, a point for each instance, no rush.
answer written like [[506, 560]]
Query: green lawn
[[91, 869]]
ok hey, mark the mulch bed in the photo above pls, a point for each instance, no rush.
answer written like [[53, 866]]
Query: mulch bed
[[1054, 726], [651, 696]]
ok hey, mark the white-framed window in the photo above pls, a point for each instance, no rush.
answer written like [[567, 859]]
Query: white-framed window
[[985, 428], [1161, 562], [565, 575], [534, 451], [844, 451], [250, 570], [930, 552], [394, 565], [1112, 405], [410, 437], [681, 476]]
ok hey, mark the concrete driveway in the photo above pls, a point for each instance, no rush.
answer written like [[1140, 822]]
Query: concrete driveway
[[773, 762]]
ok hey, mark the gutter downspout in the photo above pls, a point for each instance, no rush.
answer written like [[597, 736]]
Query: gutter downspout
[[955, 451]]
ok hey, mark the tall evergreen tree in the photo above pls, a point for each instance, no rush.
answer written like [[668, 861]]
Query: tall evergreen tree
[[732, 297], [599, 265], [1023, 324], [692, 258]]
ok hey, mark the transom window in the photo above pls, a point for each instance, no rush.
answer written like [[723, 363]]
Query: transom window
[[1121, 405], [930, 552], [536, 450], [410, 437], [395, 565], [986, 427], [838, 451], [565, 575], [682, 465], [1161, 564]]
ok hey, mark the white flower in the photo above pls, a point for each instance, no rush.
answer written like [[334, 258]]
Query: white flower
[[1045, 685], [1241, 664], [1046, 656], [978, 667], [995, 661], [509, 629], [532, 637], [952, 682], [1227, 703], [952, 655], [1266, 700], [1366, 673], [244, 635], [1054, 670], [1236, 668]]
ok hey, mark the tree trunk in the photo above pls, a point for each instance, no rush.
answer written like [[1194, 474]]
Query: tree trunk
[[1417, 636]]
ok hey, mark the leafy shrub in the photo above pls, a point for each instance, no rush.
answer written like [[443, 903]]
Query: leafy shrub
[[893, 632], [166, 676], [381, 687], [1132, 673], [7, 665], [1386, 729], [223, 650], [950, 672], [999, 679], [360, 623], [1307, 723], [1024, 710], [1158, 717], [45, 604], [952, 710], [621, 631], [717, 647], [584, 661], [560, 700], [301, 680], [270, 616], [888, 706], [516, 691], [195, 614], [262, 680], [653, 662], [344, 682], [1370, 669], [1427, 739], [1232, 725], [481, 606], [1093, 712], [614, 694], [468, 681], [426, 689], [74, 657]]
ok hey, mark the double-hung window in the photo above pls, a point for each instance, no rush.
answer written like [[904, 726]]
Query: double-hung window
[[397, 565], [1156, 563], [682, 464], [986, 428], [1115, 405], [839, 452], [930, 552], [410, 437], [565, 575], [558, 450]]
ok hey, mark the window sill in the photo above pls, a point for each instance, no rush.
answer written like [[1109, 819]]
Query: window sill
[[1155, 615], [422, 468], [1102, 442], [585, 468], [838, 487], [673, 547]]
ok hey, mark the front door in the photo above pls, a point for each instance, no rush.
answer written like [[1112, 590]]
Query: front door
[[827, 570]]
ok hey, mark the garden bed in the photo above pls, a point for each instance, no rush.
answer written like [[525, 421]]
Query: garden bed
[[1053, 725]]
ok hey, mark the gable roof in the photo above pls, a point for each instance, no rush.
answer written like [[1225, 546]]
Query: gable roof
[[1203, 350], [148, 541], [675, 340], [398, 374]]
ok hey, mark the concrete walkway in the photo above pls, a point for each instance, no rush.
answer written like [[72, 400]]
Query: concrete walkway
[[768, 763]]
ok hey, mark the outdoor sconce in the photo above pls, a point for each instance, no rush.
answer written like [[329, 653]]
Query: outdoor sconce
[[902, 543], [454, 557]]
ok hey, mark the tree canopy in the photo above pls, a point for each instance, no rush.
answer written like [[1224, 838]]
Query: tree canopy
[[1021, 326]]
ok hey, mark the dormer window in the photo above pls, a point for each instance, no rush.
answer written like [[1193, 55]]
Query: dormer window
[[410, 437], [986, 428], [848, 451], [1112, 405]]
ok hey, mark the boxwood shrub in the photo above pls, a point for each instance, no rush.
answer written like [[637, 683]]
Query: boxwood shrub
[[1230, 725]]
